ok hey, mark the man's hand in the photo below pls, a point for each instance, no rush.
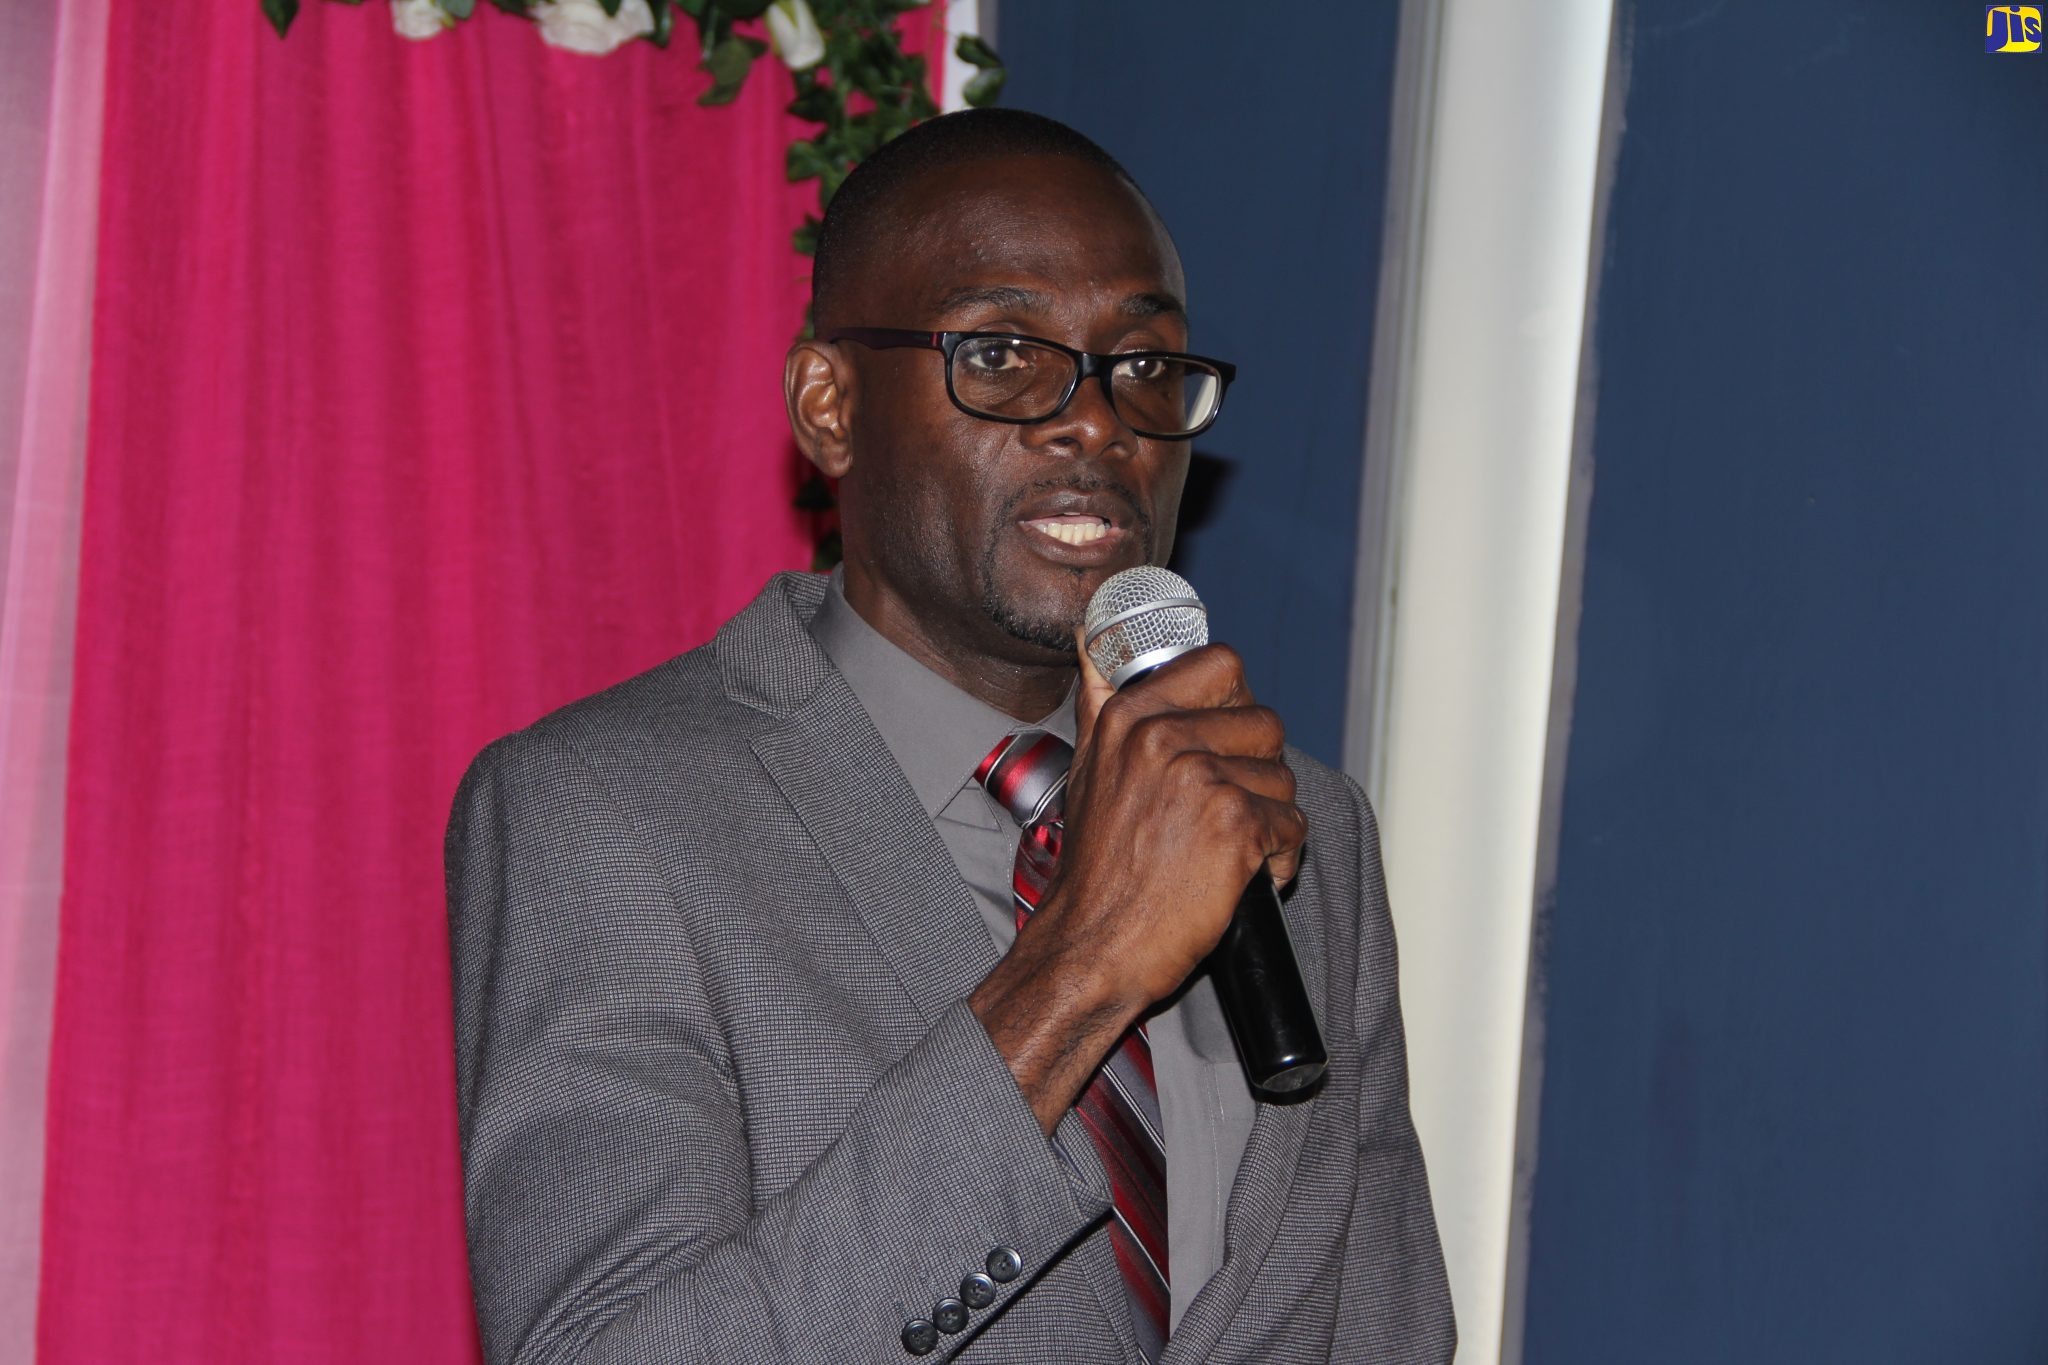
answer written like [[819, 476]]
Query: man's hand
[[1177, 794]]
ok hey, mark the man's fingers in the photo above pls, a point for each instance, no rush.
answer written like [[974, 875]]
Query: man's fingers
[[1207, 679], [1268, 799], [1093, 691], [1267, 777], [1211, 676], [1283, 829], [1283, 863], [1238, 731], [1284, 867], [1199, 709]]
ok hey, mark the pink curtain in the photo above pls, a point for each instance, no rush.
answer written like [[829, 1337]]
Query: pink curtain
[[435, 385]]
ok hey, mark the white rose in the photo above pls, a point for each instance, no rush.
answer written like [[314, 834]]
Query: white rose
[[583, 26], [793, 30], [418, 19]]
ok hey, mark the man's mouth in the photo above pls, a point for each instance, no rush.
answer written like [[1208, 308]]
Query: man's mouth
[[1090, 526], [1073, 530]]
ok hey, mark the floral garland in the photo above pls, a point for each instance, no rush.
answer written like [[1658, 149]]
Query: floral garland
[[845, 59], [840, 53]]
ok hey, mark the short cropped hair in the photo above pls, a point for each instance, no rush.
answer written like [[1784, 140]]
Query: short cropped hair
[[861, 207]]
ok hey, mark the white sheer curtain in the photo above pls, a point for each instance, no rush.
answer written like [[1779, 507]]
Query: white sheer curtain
[[52, 69]]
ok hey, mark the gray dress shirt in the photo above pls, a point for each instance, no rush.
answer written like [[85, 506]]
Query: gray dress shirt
[[938, 735]]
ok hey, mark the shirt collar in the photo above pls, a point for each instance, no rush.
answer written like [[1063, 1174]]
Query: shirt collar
[[937, 733]]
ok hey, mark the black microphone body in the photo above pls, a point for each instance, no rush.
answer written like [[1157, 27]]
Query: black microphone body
[[1258, 982]]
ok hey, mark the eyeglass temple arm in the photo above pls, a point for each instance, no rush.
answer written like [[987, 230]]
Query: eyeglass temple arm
[[886, 338]]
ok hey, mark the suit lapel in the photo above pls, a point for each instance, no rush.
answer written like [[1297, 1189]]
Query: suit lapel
[[822, 751], [899, 878], [1258, 1199]]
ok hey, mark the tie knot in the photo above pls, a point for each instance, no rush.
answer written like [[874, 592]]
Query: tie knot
[[1027, 772]]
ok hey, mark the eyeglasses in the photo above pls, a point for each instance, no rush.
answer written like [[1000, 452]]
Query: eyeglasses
[[1008, 378]]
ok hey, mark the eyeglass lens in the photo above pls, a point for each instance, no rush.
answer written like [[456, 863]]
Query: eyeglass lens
[[1022, 381]]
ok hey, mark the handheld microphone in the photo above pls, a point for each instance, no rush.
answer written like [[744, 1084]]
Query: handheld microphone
[[1137, 620]]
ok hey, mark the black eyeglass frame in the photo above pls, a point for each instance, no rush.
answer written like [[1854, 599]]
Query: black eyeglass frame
[[1087, 364]]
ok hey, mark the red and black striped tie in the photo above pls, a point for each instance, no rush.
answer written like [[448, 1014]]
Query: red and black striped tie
[[1027, 772]]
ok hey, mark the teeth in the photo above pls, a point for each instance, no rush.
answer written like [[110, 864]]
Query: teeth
[[1074, 532]]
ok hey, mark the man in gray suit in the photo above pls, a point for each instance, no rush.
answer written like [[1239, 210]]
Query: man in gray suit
[[757, 1059]]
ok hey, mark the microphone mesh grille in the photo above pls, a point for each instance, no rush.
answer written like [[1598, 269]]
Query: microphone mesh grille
[[1164, 614]]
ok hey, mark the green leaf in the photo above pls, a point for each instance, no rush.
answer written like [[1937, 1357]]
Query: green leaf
[[713, 29], [804, 241], [972, 50], [745, 9], [816, 104], [877, 61], [457, 9], [280, 13], [862, 136], [728, 64], [829, 183], [610, 8], [889, 121], [804, 161], [731, 60], [693, 8], [828, 555], [984, 89], [756, 46], [518, 7], [664, 22]]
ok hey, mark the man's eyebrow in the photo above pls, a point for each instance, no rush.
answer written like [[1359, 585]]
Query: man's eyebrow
[[1153, 306], [1010, 298], [1007, 298]]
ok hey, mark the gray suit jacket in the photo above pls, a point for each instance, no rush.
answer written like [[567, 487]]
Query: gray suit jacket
[[721, 1098]]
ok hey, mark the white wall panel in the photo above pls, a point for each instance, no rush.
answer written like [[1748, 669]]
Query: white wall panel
[[1458, 591]]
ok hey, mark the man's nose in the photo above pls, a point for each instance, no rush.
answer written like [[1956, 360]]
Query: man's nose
[[1089, 424]]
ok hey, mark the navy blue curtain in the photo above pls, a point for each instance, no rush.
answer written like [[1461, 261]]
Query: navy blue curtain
[[1795, 1105]]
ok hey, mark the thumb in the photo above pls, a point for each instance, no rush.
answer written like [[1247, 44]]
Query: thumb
[[1093, 691]]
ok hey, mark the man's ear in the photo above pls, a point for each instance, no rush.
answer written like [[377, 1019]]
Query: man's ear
[[817, 386]]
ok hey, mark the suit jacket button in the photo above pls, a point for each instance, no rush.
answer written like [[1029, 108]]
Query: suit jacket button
[[920, 1338], [978, 1290], [1004, 1265], [950, 1315]]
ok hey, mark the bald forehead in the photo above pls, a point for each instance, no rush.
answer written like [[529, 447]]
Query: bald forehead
[[1000, 229]]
